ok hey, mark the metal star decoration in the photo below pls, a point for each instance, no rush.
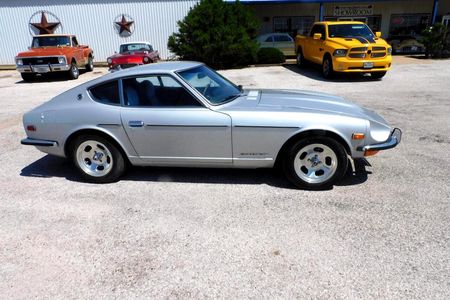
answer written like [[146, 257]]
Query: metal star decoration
[[44, 26], [124, 25]]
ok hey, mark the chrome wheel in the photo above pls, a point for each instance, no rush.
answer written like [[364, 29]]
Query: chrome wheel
[[326, 67], [94, 158], [75, 72], [315, 163], [299, 59]]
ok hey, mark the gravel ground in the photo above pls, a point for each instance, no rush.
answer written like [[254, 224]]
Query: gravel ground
[[205, 233]]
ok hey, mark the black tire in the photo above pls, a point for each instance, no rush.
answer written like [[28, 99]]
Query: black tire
[[90, 64], [102, 166], [73, 72], [327, 67], [299, 159], [377, 75], [28, 77], [300, 58]]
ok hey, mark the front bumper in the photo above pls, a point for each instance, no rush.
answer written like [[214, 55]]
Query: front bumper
[[393, 140], [40, 143], [346, 65], [43, 68]]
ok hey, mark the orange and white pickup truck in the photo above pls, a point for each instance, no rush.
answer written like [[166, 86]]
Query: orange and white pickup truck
[[346, 47], [54, 53]]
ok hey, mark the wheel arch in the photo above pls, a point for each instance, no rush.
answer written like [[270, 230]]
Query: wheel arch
[[310, 133], [98, 132]]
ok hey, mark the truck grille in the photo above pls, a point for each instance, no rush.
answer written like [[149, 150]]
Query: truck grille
[[359, 49], [40, 60], [378, 49], [378, 54], [357, 55]]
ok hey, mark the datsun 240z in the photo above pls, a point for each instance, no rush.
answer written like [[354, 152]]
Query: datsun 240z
[[187, 115]]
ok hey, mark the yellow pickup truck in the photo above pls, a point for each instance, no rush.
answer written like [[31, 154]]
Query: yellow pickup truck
[[347, 47]]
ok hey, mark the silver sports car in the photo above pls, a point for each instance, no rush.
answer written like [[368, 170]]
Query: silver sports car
[[187, 115]]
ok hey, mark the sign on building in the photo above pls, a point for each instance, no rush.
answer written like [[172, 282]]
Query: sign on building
[[351, 11]]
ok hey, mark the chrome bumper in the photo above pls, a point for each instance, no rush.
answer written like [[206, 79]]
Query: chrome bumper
[[41, 143], [43, 68], [393, 140]]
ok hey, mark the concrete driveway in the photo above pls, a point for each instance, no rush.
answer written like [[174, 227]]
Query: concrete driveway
[[383, 232]]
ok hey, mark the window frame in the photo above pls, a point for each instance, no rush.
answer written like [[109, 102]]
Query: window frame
[[122, 96], [103, 83]]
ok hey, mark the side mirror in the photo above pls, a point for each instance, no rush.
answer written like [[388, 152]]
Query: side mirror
[[115, 52], [378, 34], [317, 36], [241, 88], [29, 47]]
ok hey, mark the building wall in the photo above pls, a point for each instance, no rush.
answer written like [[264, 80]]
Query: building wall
[[385, 9], [92, 22]]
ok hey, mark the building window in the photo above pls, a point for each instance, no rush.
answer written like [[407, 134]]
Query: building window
[[293, 25], [411, 25], [374, 22]]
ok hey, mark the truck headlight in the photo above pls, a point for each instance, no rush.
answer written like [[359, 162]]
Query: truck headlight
[[389, 51], [19, 62], [109, 60], [340, 52], [61, 60]]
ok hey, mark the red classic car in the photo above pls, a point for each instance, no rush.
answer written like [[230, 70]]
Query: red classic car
[[133, 54]]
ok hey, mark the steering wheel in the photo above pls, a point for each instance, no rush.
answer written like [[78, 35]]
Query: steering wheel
[[206, 88]]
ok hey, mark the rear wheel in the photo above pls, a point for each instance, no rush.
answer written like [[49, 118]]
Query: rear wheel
[[28, 76], [327, 67], [90, 64], [315, 163], [300, 58], [377, 75], [97, 159], [73, 71]]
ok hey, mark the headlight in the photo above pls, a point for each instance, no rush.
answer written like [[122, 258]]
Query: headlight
[[389, 51], [109, 60], [340, 52], [19, 62], [146, 59], [61, 60]]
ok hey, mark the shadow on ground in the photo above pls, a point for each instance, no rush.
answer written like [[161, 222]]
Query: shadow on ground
[[51, 166], [314, 72], [50, 77]]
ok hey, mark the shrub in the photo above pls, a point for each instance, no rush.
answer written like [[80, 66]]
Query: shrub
[[217, 33], [434, 40], [270, 56]]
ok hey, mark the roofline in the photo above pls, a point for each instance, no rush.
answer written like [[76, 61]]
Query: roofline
[[43, 35]]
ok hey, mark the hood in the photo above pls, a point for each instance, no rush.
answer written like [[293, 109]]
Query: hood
[[358, 42], [130, 54], [301, 101], [45, 51]]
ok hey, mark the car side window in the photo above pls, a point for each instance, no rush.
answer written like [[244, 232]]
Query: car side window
[[107, 93], [318, 29], [283, 38], [74, 41], [156, 91], [269, 39]]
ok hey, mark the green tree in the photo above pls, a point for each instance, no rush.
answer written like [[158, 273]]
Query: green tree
[[434, 39], [217, 33]]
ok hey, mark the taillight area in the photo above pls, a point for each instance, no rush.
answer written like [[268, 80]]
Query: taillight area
[[31, 128]]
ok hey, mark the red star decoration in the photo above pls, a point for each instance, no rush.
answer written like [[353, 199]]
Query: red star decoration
[[124, 25], [45, 27]]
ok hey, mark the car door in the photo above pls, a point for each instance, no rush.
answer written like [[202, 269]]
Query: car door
[[285, 43], [167, 125], [316, 47], [78, 52]]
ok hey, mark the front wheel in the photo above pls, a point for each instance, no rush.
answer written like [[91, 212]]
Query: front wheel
[[28, 76], [73, 71], [327, 68], [315, 163], [97, 159]]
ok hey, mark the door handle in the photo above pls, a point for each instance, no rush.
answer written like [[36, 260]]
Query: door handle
[[135, 123]]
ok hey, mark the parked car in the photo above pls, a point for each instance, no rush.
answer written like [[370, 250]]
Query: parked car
[[54, 53], [187, 115], [344, 47], [282, 41], [406, 45], [133, 54]]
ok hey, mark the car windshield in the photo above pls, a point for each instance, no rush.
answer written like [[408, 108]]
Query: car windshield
[[210, 84], [349, 31], [135, 47], [50, 41]]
